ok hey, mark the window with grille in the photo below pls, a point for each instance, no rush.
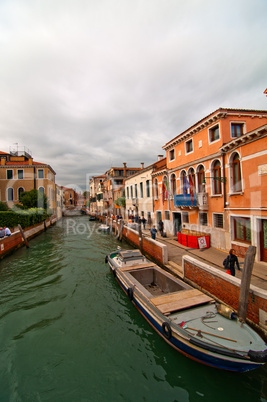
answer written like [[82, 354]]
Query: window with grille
[[203, 218], [167, 215], [218, 221], [185, 217]]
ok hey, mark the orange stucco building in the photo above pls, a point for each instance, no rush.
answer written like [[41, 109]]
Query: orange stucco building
[[19, 173], [215, 180]]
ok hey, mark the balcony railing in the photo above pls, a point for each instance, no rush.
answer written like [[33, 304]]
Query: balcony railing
[[202, 201], [199, 200], [135, 201]]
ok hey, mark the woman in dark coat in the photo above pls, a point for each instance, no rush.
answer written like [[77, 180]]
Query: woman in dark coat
[[231, 261]]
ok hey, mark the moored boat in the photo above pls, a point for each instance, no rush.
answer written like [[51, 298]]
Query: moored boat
[[104, 228], [189, 320]]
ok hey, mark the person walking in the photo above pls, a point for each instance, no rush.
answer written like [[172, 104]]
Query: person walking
[[230, 261], [153, 232], [144, 222], [161, 227]]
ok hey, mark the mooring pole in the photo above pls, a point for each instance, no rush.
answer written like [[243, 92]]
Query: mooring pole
[[140, 237], [23, 235], [245, 282]]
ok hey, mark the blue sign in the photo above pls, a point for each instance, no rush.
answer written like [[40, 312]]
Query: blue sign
[[185, 200]]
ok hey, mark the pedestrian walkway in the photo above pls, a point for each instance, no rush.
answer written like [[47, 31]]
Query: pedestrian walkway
[[211, 256]]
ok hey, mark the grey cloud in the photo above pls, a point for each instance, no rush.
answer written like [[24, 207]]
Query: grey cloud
[[86, 85]]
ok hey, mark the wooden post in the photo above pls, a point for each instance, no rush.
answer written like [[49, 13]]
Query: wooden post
[[24, 237], [245, 282], [121, 230], [140, 237]]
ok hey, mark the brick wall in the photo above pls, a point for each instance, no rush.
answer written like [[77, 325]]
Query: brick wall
[[240, 250], [11, 243], [152, 248], [224, 287]]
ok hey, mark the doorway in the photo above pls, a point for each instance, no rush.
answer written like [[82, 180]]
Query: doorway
[[177, 222]]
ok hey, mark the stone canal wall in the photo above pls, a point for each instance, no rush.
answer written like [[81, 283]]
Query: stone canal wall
[[15, 241], [156, 250], [226, 288]]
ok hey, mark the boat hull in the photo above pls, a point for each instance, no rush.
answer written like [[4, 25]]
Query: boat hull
[[175, 336]]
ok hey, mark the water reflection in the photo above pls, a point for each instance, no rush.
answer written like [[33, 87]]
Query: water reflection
[[69, 333]]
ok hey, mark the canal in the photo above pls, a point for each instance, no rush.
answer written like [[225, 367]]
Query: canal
[[69, 333]]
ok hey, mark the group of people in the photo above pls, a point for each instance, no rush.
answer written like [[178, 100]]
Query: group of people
[[154, 231], [4, 232], [138, 219]]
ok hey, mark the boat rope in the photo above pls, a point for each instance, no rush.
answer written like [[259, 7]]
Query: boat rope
[[208, 316]]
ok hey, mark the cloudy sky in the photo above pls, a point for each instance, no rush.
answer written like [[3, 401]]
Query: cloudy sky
[[90, 84]]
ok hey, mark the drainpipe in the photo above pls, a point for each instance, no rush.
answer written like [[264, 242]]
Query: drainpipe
[[34, 178], [224, 181]]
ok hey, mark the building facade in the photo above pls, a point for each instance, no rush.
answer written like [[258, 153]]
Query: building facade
[[215, 180], [19, 173], [139, 192]]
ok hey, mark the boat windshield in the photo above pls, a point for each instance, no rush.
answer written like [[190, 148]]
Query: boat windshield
[[130, 255]]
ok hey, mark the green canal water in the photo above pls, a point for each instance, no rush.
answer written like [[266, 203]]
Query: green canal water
[[69, 333]]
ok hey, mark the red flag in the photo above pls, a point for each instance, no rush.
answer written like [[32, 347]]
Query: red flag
[[191, 189], [163, 191]]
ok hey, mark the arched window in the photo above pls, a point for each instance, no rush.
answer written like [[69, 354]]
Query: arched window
[[20, 191], [10, 194], [192, 179], [236, 173], [183, 182], [40, 201], [156, 189], [165, 188], [200, 178], [217, 174], [173, 185]]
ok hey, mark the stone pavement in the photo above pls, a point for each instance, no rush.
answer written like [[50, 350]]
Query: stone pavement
[[210, 256]]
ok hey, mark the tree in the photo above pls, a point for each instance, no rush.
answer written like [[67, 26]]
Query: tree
[[33, 199], [120, 202]]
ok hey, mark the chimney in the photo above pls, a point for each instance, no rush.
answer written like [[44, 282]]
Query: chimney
[[124, 168], [30, 161], [3, 161], [142, 165], [160, 157]]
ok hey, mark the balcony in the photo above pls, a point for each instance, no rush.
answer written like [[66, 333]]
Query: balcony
[[135, 201], [199, 200], [202, 201], [185, 200]]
